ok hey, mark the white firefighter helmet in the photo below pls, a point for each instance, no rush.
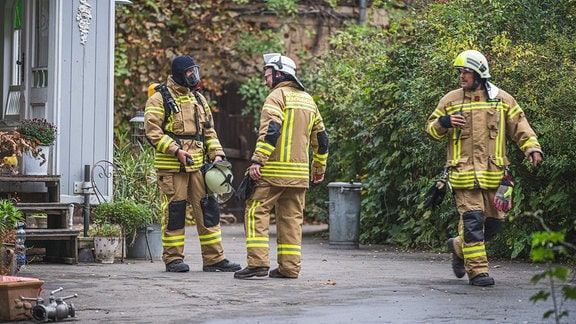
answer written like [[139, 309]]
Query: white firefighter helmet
[[282, 64], [474, 61], [219, 178]]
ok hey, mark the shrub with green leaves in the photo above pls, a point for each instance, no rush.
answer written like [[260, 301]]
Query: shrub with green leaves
[[548, 247], [123, 212], [376, 87]]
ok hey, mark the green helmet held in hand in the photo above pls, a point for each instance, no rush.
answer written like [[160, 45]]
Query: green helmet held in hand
[[219, 177]]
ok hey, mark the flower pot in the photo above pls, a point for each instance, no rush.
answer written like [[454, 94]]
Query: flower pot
[[105, 248], [36, 165], [41, 221]]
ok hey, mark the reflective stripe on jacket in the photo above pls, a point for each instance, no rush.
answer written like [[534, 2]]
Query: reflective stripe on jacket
[[286, 162], [180, 127], [476, 153]]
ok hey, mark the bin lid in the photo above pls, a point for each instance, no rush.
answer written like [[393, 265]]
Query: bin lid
[[344, 185]]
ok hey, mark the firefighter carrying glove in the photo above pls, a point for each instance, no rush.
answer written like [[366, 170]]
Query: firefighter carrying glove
[[435, 194], [503, 198]]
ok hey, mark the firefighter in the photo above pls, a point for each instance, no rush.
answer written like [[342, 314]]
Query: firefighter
[[179, 124], [475, 120], [290, 124]]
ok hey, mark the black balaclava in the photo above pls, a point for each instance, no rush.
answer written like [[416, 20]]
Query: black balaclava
[[277, 79], [180, 65]]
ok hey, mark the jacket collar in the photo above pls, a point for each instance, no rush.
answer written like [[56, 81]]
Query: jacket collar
[[178, 89], [282, 84]]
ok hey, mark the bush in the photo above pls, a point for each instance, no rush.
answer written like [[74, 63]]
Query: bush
[[124, 213], [376, 88]]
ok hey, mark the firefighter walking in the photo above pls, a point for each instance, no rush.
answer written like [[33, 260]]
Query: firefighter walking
[[475, 120]]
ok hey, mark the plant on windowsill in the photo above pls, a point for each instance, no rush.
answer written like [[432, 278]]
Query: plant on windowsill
[[9, 218]]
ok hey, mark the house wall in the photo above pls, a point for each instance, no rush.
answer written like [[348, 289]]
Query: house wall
[[78, 95], [84, 94]]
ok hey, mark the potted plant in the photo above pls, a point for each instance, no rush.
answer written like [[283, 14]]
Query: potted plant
[[104, 230], [125, 213], [12, 146], [107, 237], [137, 165], [43, 134], [38, 130], [41, 220], [10, 216]]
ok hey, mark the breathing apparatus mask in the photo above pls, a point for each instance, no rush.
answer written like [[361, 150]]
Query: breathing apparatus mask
[[180, 66], [193, 80]]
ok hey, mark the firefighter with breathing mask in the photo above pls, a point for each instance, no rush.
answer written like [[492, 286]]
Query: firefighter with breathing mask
[[179, 124], [475, 120]]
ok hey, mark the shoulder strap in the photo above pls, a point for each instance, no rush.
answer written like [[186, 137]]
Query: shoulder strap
[[169, 102]]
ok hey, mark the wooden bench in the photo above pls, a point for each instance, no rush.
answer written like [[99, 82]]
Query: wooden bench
[[61, 244]]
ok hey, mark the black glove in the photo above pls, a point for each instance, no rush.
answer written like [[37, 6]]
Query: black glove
[[435, 194], [210, 211], [245, 188]]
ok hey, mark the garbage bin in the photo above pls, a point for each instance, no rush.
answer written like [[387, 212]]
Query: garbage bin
[[344, 221]]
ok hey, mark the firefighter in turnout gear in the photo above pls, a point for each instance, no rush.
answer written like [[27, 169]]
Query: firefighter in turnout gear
[[290, 124], [179, 124], [475, 120]]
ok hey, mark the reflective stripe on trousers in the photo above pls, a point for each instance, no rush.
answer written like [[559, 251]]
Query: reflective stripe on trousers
[[288, 204]]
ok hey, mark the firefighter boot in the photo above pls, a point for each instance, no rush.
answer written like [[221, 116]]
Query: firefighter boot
[[482, 279], [276, 274], [251, 272], [457, 263], [222, 266], [177, 266]]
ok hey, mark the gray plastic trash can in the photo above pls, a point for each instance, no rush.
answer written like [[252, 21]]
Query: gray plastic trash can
[[344, 222]]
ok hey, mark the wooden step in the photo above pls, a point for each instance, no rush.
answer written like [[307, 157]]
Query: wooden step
[[65, 209], [61, 244]]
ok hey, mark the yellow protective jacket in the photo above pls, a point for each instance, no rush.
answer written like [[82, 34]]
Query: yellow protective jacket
[[290, 124], [179, 131], [477, 152]]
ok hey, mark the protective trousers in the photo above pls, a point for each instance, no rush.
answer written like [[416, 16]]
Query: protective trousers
[[288, 204], [479, 222], [177, 190]]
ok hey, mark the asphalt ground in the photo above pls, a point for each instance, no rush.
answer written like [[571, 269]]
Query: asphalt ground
[[371, 284]]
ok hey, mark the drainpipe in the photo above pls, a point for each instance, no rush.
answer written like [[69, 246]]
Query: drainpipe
[[86, 199], [362, 16]]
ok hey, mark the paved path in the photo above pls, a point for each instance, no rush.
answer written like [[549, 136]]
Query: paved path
[[372, 284]]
